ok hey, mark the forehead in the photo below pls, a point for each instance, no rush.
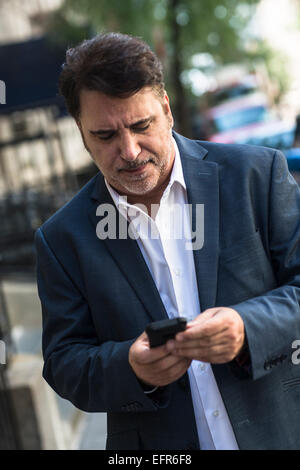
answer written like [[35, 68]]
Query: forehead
[[107, 110]]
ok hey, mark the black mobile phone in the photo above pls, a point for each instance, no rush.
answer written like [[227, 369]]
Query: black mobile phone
[[159, 332]]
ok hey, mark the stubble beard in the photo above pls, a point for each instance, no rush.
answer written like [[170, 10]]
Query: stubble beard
[[143, 184], [140, 185]]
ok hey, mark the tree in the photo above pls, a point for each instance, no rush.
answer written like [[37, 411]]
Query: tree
[[176, 29]]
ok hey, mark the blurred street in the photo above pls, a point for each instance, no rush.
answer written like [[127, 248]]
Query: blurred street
[[85, 431], [93, 433]]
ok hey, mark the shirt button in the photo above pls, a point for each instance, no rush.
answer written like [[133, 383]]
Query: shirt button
[[177, 272], [216, 413]]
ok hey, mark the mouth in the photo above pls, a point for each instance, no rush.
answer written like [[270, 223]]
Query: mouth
[[136, 170]]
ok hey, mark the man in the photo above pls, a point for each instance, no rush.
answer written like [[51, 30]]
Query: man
[[227, 381]]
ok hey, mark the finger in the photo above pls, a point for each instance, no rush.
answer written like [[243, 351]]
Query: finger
[[203, 342], [204, 316], [210, 322], [217, 355], [206, 331], [165, 363], [174, 372], [164, 372], [225, 338], [148, 355], [179, 367]]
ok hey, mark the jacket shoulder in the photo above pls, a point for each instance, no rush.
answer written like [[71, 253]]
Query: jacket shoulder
[[239, 154], [73, 210], [229, 155]]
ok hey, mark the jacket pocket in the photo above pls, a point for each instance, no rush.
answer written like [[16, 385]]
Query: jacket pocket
[[291, 384]]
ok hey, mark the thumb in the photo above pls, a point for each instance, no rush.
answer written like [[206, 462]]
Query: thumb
[[204, 316]]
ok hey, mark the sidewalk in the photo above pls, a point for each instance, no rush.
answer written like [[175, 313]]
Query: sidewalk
[[93, 432], [82, 431]]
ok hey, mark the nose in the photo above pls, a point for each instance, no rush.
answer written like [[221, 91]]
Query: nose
[[129, 147]]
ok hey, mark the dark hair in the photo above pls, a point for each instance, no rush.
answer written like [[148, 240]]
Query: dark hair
[[112, 63]]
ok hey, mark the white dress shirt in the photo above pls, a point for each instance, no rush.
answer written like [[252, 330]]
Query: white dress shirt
[[173, 270]]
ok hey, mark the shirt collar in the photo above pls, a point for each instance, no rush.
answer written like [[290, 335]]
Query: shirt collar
[[176, 176], [177, 172]]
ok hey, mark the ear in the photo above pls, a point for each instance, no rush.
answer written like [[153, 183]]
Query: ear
[[78, 123], [167, 108], [82, 136], [166, 100]]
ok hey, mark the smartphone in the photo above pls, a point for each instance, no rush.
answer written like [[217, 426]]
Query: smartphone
[[159, 332]]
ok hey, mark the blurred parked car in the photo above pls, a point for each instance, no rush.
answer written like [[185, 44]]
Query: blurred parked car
[[277, 134], [236, 89], [223, 123], [247, 120], [229, 106]]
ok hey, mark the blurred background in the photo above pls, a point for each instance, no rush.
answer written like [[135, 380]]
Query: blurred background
[[232, 71]]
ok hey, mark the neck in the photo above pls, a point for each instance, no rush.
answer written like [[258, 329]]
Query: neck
[[150, 201]]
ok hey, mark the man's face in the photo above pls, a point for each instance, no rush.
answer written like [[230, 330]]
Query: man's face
[[130, 140]]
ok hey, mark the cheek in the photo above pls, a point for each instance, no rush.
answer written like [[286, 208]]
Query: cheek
[[105, 159]]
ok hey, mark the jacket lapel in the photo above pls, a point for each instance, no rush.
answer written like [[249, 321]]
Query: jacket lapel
[[202, 188], [128, 257], [202, 180]]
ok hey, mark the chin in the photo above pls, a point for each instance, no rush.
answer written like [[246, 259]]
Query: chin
[[138, 191], [140, 188]]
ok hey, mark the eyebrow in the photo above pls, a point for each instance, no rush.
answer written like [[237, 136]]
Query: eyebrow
[[135, 124]]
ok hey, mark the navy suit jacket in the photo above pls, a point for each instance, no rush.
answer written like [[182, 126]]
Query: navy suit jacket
[[98, 295]]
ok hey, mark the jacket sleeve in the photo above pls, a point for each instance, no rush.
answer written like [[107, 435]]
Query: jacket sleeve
[[272, 320], [93, 376]]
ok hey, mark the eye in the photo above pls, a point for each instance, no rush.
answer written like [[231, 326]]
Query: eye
[[142, 128], [106, 136]]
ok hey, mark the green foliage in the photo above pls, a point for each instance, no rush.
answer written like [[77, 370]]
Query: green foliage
[[66, 31], [272, 62], [175, 29], [213, 26], [126, 16]]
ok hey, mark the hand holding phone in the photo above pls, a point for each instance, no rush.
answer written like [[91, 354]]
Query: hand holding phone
[[161, 331], [155, 366]]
